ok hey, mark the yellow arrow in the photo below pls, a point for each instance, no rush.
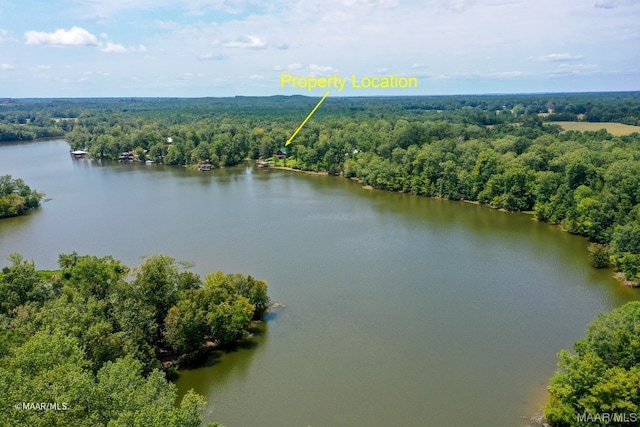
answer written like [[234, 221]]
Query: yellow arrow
[[305, 120]]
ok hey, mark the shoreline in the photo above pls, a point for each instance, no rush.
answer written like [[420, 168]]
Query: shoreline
[[289, 168], [617, 275]]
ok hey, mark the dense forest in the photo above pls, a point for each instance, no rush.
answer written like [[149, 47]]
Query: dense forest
[[504, 151], [16, 197], [599, 384], [93, 343]]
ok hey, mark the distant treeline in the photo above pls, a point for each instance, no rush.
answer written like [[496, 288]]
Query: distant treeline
[[497, 150], [28, 119]]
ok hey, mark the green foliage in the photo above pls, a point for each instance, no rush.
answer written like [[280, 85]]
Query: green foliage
[[87, 341], [16, 198], [156, 285], [90, 275], [604, 375], [492, 149], [185, 326], [51, 368], [615, 337], [625, 250], [598, 255], [20, 283]]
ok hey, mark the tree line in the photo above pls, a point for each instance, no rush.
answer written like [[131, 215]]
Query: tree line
[[512, 159], [495, 149], [89, 338]]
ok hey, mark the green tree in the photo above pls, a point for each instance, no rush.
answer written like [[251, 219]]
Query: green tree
[[122, 396], [20, 283], [185, 326], [91, 275], [625, 249], [604, 374], [156, 285], [598, 255], [16, 197], [49, 367]]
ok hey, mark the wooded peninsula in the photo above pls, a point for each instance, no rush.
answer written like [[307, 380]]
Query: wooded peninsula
[[96, 340]]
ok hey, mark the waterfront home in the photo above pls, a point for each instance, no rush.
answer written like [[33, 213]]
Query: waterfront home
[[281, 153]]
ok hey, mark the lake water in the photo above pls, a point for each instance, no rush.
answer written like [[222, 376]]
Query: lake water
[[400, 310]]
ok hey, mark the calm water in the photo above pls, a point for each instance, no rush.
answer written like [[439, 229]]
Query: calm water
[[399, 310]]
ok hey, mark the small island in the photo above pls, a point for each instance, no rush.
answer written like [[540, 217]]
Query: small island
[[16, 198]]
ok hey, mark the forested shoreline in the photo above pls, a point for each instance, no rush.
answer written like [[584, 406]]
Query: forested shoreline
[[88, 340], [503, 151]]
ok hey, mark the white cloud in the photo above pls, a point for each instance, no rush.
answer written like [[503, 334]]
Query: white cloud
[[113, 48], [553, 57], [247, 42], [118, 48], [311, 70], [75, 36], [5, 67]]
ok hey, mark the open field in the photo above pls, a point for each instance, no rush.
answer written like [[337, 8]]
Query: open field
[[616, 129]]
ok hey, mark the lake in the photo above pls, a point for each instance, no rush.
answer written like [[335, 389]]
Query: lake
[[399, 310]]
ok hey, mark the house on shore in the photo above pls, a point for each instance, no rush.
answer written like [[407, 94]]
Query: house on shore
[[127, 157]]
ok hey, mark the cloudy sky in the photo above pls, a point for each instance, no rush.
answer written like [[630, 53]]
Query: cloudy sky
[[193, 48]]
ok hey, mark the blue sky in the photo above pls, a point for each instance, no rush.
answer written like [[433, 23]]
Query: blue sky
[[194, 48]]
